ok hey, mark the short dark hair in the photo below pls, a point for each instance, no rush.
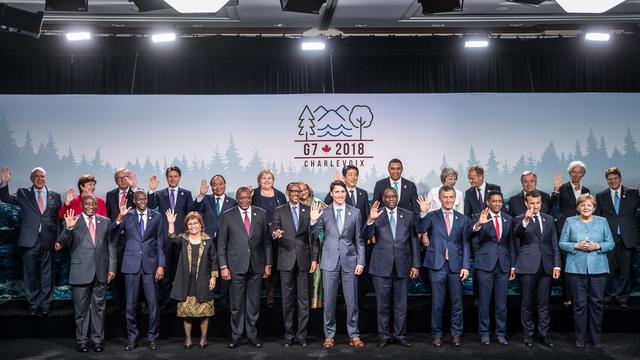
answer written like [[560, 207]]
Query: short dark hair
[[215, 176], [612, 170], [85, 179], [337, 183], [139, 191], [390, 188], [173, 168], [346, 169], [92, 197], [533, 194], [444, 188], [394, 160], [495, 193], [242, 189], [289, 185]]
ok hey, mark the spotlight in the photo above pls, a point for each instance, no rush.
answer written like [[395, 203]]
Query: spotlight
[[476, 43], [163, 37], [594, 36], [78, 36], [312, 45]]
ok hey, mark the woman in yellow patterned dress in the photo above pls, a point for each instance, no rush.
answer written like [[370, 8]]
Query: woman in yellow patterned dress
[[196, 274], [307, 198]]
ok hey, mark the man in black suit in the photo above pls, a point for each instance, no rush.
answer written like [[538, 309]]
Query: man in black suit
[[619, 204], [121, 195], [537, 261], [406, 189], [244, 255], [395, 260], [476, 196], [297, 258], [38, 233], [517, 202]]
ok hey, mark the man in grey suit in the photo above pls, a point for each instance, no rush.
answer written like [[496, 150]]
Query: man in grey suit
[[93, 266], [395, 259], [342, 260], [244, 255], [38, 232], [297, 258]]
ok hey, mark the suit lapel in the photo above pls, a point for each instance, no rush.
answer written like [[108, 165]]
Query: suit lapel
[[32, 199], [83, 228], [253, 221]]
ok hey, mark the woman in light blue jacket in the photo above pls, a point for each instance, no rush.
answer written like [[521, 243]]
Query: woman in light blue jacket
[[586, 239]]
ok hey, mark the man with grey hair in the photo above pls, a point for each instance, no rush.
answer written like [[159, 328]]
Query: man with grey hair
[[448, 176], [517, 203], [38, 233]]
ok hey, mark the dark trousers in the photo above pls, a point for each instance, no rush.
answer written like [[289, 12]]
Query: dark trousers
[[38, 276], [150, 287], [619, 264], [119, 281], [492, 284], [535, 288], [295, 282], [89, 303], [386, 288], [172, 253], [244, 305], [441, 281], [588, 304]]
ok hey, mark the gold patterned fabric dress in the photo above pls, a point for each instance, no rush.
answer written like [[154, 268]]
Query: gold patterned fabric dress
[[316, 301], [191, 307]]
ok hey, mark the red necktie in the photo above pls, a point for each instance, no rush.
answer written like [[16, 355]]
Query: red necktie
[[123, 198], [449, 225], [247, 223], [497, 222], [92, 231]]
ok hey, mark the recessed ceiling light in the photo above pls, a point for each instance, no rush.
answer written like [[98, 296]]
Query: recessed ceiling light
[[476, 43], [78, 36], [312, 45], [594, 36], [163, 37]]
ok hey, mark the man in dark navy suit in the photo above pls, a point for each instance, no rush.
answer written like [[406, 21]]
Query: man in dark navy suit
[[143, 262], [406, 189], [517, 202], [476, 195], [395, 260], [537, 261]]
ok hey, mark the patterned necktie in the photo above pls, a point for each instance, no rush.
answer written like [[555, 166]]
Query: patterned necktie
[[172, 199], [395, 186], [141, 225], [353, 198], [339, 220], [294, 212], [536, 222], [480, 199], [497, 223], [40, 202], [247, 223], [92, 231], [217, 205], [616, 206], [123, 198], [392, 222]]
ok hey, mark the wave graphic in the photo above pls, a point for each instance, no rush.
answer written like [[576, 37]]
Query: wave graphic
[[335, 128], [335, 135]]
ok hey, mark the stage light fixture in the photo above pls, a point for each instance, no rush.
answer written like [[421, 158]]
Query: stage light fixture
[[78, 36], [476, 43], [312, 45], [597, 36], [66, 5], [197, 6], [440, 6], [163, 37], [588, 6], [20, 21], [302, 6]]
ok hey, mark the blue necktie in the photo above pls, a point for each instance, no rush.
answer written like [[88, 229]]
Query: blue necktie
[[395, 186], [339, 220], [294, 212], [392, 222], [141, 225], [172, 200], [217, 206], [616, 206]]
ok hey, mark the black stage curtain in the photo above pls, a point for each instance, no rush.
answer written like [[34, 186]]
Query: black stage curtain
[[264, 65]]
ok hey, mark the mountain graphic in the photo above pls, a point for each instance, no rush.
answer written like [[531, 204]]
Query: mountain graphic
[[333, 122]]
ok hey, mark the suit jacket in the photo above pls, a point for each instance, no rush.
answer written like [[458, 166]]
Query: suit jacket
[[90, 261], [207, 207], [472, 206], [536, 247], [408, 194], [346, 247], [401, 252], [583, 262], [295, 245], [458, 243], [113, 202], [362, 199], [490, 250], [207, 267], [147, 250], [626, 217], [236, 249], [184, 204], [518, 206], [33, 222], [565, 200]]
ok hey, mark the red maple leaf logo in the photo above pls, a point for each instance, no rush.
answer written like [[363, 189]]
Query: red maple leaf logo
[[326, 148]]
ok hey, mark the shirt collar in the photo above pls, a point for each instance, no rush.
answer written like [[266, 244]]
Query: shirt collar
[[242, 211]]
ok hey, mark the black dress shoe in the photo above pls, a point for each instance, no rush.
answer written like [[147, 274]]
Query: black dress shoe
[[256, 344], [528, 341], [624, 306], [546, 340], [403, 342], [597, 345], [98, 348], [232, 345], [502, 340], [484, 340], [580, 343], [384, 343], [130, 346], [437, 341], [82, 348], [153, 345], [456, 341]]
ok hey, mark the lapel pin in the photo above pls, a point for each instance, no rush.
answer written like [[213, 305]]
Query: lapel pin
[[254, 214], [98, 221], [349, 213], [302, 210], [181, 193], [401, 216], [204, 243], [405, 186]]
